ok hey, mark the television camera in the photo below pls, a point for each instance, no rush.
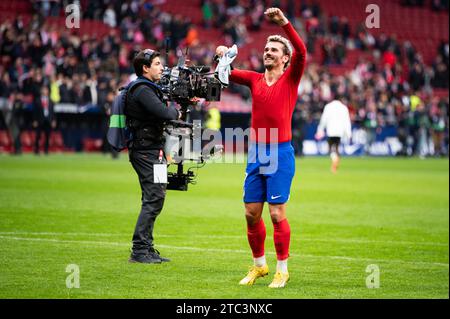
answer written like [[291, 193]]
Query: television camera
[[184, 85]]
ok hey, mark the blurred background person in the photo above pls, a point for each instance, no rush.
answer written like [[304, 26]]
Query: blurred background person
[[335, 120], [44, 119], [16, 121]]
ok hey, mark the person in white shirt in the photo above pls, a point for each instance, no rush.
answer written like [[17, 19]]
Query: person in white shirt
[[335, 120]]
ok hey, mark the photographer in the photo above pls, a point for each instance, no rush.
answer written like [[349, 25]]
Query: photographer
[[146, 114]]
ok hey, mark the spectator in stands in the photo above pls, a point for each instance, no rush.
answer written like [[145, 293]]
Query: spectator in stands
[[443, 50], [417, 76], [299, 124], [345, 30], [5, 87], [106, 112], [65, 89], [439, 5], [402, 130], [44, 119], [33, 55], [410, 52], [16, 121], [219, 13], [257, 16], [389, 58], [364, 39], [441, 73], [207, 13], [438, 128], [371, 125], [327, 53], [334, 25], [109, 17], [423, 131], [212, 120], [236, 30], [412, 3], [339, 51]]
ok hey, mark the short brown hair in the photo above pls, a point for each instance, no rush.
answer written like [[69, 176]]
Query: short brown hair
[[144, 57], [287, 48]]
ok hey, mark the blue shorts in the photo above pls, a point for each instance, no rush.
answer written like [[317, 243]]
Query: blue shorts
[[269, 173]]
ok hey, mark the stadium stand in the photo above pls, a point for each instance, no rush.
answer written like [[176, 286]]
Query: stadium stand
[[343, 56]]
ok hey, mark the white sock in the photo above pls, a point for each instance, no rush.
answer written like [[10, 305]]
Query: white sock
[[260, 261], [282, 266]]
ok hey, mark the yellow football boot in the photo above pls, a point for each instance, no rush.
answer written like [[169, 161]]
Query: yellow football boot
[[254, 273], [279, 280]]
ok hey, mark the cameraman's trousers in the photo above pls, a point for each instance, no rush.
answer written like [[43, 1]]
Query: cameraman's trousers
[[153, 195]]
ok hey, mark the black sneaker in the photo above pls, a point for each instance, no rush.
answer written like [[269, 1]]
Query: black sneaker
[[155, 253], [144, 259]]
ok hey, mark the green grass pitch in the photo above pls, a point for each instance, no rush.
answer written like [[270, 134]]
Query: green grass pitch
[[81, 209]]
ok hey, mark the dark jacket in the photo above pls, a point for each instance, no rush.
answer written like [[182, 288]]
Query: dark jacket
[[147, 114], [42, 113]]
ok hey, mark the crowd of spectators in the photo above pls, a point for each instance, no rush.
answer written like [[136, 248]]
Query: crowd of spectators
[[392, 87], [436, 5]]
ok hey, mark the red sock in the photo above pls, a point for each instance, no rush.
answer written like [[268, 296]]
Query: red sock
[[256, 235], [281, 238]]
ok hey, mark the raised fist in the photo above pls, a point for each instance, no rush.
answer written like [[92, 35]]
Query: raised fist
[[277, 16]]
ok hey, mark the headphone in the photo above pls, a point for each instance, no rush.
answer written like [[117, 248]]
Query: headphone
[[148, 53]]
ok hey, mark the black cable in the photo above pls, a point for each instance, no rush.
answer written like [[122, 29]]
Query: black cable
[[197, 167]]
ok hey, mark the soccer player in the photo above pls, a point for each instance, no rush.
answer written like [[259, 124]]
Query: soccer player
[[274, 95], [335, 120]]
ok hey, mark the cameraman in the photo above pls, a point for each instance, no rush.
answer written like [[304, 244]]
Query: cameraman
[[146, 114]]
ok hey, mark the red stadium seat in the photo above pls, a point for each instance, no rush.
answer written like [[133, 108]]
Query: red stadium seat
[[27, 140], [56, 143], [92, 144], [440, 93], [5, 142]]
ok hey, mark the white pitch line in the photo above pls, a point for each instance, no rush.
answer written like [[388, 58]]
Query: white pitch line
[[219, 250], [301, 238], [60, 233], [362, 241]]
